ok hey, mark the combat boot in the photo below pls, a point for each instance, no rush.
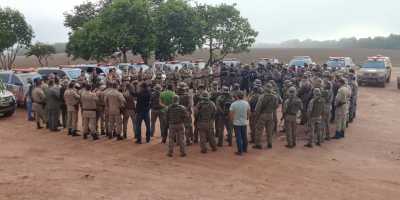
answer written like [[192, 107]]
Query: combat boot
[[85, 135], [257, 147], [308, 145], [125, 136], [342, 134], [203, 151], [95, 136], [38, 125], [74, 133], [103, 133], [269, 146], [119, 137], [183, 154], [70, 131]]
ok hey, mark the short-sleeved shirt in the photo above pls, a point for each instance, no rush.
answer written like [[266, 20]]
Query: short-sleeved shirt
[[166, 97], [240, 109]]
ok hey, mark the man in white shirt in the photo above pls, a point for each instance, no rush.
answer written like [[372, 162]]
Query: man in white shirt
[[239, 114]]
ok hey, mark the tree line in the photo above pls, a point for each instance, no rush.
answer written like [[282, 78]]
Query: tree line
[[161, 29], [390, 42]]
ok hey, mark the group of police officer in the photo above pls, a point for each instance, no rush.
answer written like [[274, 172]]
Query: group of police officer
[[192, 105]]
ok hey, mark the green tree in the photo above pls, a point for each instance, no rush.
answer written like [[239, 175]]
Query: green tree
[[15, 33], [178, 29], [80, 15], [225, 31], [90, 42], [42, 52]]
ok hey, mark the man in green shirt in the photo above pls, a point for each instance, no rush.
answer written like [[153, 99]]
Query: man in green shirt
[[166, 99]]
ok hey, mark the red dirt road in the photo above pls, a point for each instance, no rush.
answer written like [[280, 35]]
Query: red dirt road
[[366, 165]]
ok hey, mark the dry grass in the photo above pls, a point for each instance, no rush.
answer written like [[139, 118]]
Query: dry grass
[[319, 56]]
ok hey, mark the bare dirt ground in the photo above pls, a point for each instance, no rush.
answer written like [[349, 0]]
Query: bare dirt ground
[[365, 165]]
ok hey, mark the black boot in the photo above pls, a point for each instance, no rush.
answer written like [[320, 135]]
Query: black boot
[[69, 131], [342, 134], [125, 136], [95, 136], [38, 125], [74, 133], [85, 135]]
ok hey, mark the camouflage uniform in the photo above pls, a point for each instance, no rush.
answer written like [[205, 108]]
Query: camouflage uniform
[[186, 101], [72, 98], [176, 116], [39, 101], [314, 112], [205, 76], [155, 108], [100, 116], [327, 95], [291, 107], [253, 99], [265, 108], [223, 104], [89, 105], [115, 102], [205, 115], [128, 111]]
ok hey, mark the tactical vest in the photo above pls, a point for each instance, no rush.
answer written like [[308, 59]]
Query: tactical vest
[[155, 100], [269, 103], [176, 114], [318, 107], [226, 103], [294, 106], [206, 111]]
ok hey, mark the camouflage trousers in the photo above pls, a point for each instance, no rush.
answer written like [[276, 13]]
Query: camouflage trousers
[[154, 115], [252, 123], [101, 119], [115, 124], [222, 123], [290, 129], [315, 134], [176, 131], [266, 120], [128, 114], [72, 119], [206, 135], [189, 130], [341, 118], [89, 122], [326, 116]]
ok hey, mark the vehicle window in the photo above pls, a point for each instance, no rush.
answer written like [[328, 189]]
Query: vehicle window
[[4, 78], [15, 80], [336, 63], [374, 64], [73, 74], [100, 71]]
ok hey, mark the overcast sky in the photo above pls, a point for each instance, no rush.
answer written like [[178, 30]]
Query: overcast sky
[[275, 20]]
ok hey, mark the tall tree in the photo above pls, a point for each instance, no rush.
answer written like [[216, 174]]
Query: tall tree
[[42, 52], [225, 31], [178, 29], [15, 33], [80, 15]]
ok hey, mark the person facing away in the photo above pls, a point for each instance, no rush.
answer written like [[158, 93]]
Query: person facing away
[[239, 114]]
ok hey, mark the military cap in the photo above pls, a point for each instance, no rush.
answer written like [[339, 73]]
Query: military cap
[[317, 92], [205, 95], [175, 99], [292, 90], [157, 87], [269, 87], [182, 85], [215, 83], [225, 89]]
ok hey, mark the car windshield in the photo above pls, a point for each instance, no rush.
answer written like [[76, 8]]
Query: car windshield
[[24, 77], [4, 78], [298, 62], [335, 63], [73, 74], [374, 65]]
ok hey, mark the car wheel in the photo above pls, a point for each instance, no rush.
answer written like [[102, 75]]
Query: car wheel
[[9, 114]]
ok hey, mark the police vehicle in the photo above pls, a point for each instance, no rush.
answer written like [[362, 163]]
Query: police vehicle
[[377, 70]]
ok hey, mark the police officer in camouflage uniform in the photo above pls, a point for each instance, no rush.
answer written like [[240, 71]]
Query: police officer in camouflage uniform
[[291, 107], [89, 105], [155, 107], [314, 112], [72, 98], [223, 104], [205, 116], [327, 95], [253, 99], [186, 100], [176, 116], [264, 115]]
